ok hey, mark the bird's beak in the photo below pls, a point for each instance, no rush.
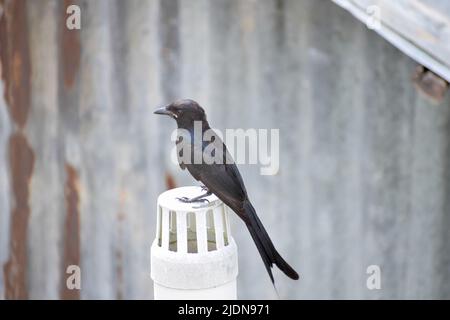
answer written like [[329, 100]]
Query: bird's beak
[[164, 111]]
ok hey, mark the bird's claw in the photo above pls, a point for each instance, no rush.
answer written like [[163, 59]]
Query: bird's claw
[[204, 188], [200, 206], [183, 199], [187, 200]]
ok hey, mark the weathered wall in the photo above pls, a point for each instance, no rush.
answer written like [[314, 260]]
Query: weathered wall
[[364, 173]]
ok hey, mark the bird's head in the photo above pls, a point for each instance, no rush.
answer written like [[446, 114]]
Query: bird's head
[[185, 112]]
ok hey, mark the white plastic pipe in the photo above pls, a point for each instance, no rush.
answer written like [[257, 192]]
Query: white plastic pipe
[[193, 255]]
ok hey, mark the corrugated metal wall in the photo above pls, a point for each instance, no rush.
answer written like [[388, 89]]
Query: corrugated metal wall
[[364, 172]]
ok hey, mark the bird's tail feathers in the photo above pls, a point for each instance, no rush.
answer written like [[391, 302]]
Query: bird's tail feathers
[[265, 246]]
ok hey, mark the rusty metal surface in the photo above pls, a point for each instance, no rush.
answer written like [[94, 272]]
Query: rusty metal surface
[[364, 158], [430, 84]]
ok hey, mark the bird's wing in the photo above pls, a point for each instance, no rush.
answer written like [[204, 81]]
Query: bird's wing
[[233, 171], [180, 145], [223, 182], [223, 179]]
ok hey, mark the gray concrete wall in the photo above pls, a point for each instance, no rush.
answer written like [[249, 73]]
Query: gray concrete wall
[[364, 172]]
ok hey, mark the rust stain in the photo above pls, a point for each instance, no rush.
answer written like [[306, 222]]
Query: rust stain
[[170, 182], [72, 230], [119, 262], [70, 49], [4, 47], [15, 73], [123, 197], [21, 159], [15, 59], [430, 84]]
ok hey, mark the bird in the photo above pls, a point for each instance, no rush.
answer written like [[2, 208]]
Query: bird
[[222, 178]]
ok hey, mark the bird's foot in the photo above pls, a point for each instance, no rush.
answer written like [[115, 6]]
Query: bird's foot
[[193, 200], [204, 188]]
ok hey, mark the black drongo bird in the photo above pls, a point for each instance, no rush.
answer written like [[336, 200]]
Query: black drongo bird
[[219, 177]]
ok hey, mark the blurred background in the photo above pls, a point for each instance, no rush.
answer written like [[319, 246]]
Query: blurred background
[[364, 157]]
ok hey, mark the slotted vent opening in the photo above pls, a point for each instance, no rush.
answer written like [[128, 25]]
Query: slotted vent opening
[[211, 232], [191, 233], [172, 231], [159, 231], [226, 226], [198, 232]]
